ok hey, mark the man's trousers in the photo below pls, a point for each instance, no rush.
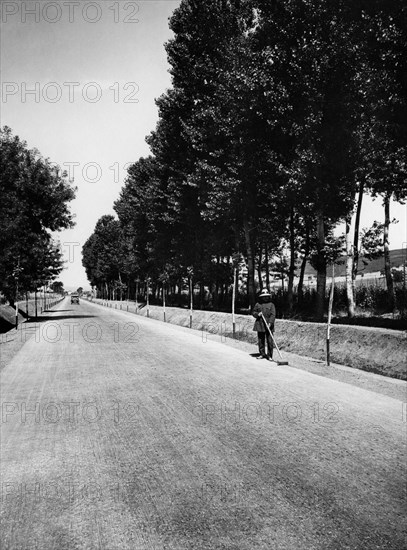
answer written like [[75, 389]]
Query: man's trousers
[[262, 336]]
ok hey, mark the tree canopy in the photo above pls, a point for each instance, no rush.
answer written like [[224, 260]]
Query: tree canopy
[[277, 112], [34, 203]]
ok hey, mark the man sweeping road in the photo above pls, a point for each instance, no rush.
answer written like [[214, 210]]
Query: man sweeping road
[[264, 312]]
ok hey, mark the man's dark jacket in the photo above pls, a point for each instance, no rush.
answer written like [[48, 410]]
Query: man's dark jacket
[[269, 312]]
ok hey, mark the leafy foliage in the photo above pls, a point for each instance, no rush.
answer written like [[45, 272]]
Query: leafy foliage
[[34, 203], [277, 112]]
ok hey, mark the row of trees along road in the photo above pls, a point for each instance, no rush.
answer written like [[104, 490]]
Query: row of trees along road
[[34, 203], [281, 116]]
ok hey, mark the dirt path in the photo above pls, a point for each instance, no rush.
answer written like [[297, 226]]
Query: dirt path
[[124, 433]]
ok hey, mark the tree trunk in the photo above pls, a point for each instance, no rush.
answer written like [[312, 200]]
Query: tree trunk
[[259, 275], [328, 326], [349, 273], [303, 266], [266, 261], [222, 296], [212, 295], [291, 271], [179, 298], [250, 263], [191, 293], [321, 268], [201, 295], [216, 291], [356, 238], [282, 279], [386, 247]]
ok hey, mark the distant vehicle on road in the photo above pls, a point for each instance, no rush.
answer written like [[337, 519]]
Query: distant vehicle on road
[[74, 298]]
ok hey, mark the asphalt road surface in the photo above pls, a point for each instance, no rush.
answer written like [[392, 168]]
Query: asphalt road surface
[[120, 432]]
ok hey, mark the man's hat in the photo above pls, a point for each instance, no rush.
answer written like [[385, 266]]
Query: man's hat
[[264, 293]]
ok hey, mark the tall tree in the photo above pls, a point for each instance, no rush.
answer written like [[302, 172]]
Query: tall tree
[[385, 90], [34, 203], [311, 55], [102, 254]]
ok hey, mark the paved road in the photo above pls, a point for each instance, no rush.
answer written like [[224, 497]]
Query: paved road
[[120, 432]]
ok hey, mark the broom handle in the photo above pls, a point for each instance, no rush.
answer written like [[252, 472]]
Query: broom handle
[[271, 334]]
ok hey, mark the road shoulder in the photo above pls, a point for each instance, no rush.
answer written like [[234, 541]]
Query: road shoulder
[[390, 387]]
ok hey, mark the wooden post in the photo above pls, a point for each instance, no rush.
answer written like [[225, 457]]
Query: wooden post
[[148, 302], [26, 304], [35, 301], [328, 327], [191, 304], [404, 256], [164, 301], [233, 301]]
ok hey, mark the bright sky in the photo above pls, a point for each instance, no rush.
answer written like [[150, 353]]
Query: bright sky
[[91, 129], [79, 81]]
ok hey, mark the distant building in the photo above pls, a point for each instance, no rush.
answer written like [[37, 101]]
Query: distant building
[[369, 271]]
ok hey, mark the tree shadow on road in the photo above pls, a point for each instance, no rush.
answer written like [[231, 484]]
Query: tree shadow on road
[[59, 318]]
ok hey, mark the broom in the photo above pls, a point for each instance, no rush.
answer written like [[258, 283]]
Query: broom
[[281, 362]]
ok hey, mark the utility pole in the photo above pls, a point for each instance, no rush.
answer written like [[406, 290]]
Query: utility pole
[[191, 295], [164, 301], [234, 301], [328, 327], [16, 276], [236, 258], [148, 299], [404, 257]]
